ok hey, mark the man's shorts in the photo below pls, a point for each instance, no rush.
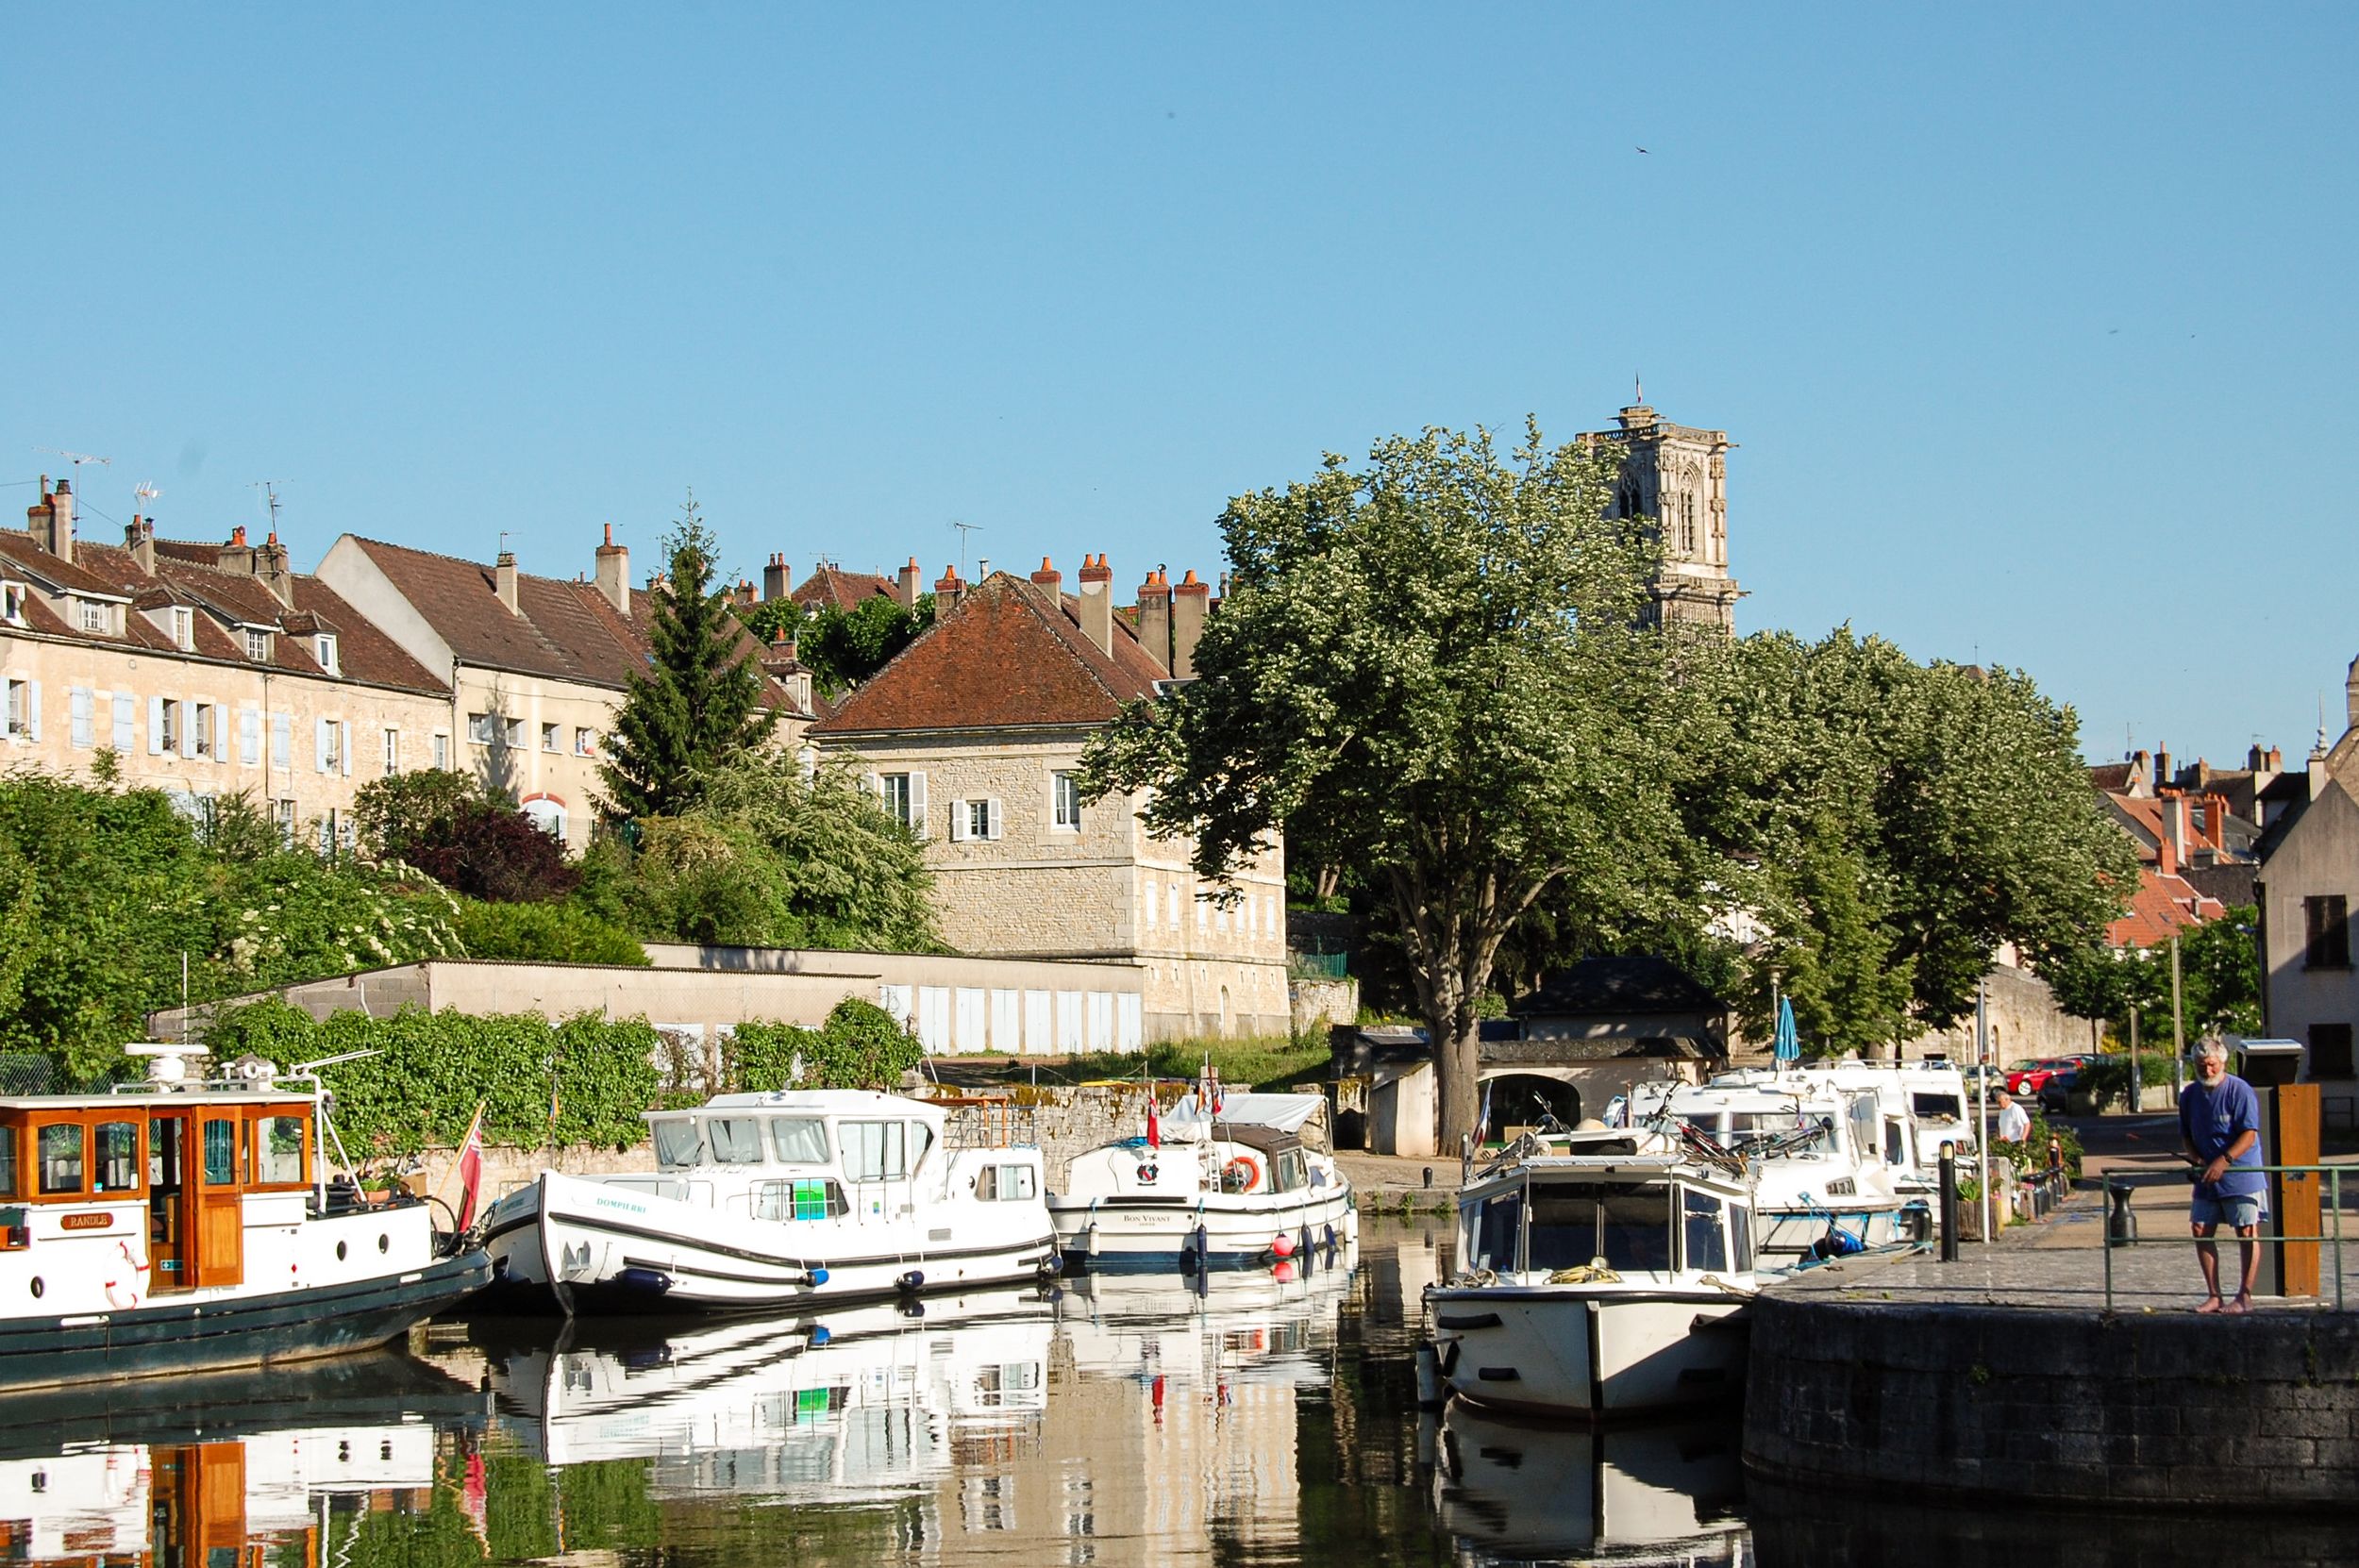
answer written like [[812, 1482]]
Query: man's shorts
[[2235, 1214]]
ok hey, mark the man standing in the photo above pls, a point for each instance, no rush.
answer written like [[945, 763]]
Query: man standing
[[2219, 1117], [2015, 1126]]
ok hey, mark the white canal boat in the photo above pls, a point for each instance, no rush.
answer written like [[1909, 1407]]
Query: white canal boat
[[184, 1226], [1236, 1189], [777, 1202], [1603, 1273]]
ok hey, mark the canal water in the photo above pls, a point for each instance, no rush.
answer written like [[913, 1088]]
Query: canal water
[[1268, 1418]]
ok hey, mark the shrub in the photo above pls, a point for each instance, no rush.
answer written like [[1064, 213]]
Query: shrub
[[860, 1046], [2031, 1154], [2109, 1076], [543, 933], [450, 827]]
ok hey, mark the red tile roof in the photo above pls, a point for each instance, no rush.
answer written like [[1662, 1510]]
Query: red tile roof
[[2160, 906], [1008, 656], [830, 585]]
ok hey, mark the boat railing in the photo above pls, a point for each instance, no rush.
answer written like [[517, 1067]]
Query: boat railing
[[987, 1122]]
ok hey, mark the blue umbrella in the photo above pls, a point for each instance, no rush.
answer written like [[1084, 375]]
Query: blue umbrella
[[1789, 1047]]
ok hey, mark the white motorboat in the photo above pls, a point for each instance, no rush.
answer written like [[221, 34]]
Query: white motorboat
[[1603, 1273], [777, 1202], [1815, 1146], [182, 1226], [1233, 1188]]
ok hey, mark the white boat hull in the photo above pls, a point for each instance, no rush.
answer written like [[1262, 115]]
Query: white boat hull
[[1592, 1350], [1213, 1229], [600, 1248]]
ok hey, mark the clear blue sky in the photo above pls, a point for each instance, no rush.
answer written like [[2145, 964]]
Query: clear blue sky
[[2035, 326]]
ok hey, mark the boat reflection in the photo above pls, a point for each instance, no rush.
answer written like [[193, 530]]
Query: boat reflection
[[1655, 1493]]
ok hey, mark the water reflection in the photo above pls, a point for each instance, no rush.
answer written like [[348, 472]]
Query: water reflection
[[1657, 1494]]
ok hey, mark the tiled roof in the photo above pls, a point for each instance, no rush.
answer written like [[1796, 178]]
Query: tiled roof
[[2160, 906], [2114, 778], [830, 585], [1008, 656]]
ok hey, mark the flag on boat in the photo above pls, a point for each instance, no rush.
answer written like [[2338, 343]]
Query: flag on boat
[[470, 1168], [1154, 1128], [1789, 1046]]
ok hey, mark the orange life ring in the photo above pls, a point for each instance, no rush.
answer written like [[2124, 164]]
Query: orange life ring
[[1241, 1174]]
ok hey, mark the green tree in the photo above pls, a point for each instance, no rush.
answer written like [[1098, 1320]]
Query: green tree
[[699, 703], [1433, 667]]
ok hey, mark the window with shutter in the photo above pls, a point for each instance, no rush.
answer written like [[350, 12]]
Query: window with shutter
[[250, 737], [282, 740], [321, 731], [918, 804], [959, 821], [82, 731], [993, 818], [120, 706]]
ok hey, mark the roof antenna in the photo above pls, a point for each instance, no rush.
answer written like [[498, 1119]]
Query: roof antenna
[[270, 495], [76, 458], [964, 528]]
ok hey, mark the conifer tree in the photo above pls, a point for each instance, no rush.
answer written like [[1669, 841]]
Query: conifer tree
[[698, 704]]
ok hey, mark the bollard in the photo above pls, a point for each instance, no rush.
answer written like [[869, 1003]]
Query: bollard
[[1429, 1177], [1949, 1204], [2121, 1223]]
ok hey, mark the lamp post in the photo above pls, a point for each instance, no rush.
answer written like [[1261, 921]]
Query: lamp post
[[2178, 1026]]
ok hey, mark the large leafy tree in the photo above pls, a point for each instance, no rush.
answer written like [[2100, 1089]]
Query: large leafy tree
[[698, 704], [1434, 667], [843, 647]]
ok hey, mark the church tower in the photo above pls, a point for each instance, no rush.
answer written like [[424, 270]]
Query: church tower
[[1677, 478]]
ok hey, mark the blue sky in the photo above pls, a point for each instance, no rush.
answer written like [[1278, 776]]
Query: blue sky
[[2003, 307]]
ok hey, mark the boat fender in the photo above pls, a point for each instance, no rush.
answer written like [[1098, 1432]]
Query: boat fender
[[1431, 1390], [1331, 1238], [1239, 1174], [1089, 1238], [1052, 1265], [819, 1276], [914, 1280], [655, 1280], [1302, 1245], [1449, 1357], [912, 1307], [820, 1335], [1283, 1246]]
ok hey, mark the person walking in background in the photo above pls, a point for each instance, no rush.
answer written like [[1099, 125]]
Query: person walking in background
[[2015, 1125], [2219, 1117]]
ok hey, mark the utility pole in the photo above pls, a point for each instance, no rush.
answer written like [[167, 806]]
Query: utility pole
[[1981, 1107], [2137, 1087], [2178, 1024]]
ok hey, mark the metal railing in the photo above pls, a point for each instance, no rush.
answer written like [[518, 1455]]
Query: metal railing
[[2121, 1226]]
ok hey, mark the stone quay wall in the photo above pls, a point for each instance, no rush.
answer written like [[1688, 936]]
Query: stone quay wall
[[2019, 1404]]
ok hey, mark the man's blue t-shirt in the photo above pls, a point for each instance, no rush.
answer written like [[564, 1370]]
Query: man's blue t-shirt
[[2212, 1119]]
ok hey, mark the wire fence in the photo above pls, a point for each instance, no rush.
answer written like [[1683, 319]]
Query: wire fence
[[2120, 1228], [26, 1074]]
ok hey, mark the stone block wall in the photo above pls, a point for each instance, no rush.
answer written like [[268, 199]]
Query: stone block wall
[[2016, 1405]]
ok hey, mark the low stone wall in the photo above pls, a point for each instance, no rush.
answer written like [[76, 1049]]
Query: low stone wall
[[2014, 1405], [1317, 1006]]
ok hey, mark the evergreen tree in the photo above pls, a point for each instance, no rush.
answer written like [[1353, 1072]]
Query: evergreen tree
[[698, 704]]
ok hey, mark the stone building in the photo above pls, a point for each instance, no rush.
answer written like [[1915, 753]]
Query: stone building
[[974, 735], [534, 667], [205, 669], [1678, 477], [2309, 881]]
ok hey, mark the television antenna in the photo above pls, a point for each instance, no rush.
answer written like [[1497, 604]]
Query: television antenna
[[964, 528], [76, 458], [144, 493], [270, 497]]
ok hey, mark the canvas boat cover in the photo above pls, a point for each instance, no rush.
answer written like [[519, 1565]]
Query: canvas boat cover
[[1284, 1113]]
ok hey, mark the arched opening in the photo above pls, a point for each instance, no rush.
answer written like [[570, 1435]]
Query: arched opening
[[1529, 1100], [1225, 1029]]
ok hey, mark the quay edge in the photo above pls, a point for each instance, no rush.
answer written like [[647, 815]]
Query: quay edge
[[2020, 1405]]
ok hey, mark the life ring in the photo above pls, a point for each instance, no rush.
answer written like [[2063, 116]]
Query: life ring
[[1239, 1174], [131, 1290]]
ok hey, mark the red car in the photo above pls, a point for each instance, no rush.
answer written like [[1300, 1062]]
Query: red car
[[2031, 1076]]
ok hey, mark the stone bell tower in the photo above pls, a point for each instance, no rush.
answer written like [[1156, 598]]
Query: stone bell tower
[[1677, 477]]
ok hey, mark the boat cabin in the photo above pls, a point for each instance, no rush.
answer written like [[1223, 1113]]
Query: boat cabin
[[1261, 1158], [180, 1164], [1642, 1217]]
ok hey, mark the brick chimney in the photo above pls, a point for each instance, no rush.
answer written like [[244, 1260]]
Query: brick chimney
[[273, 570], [1155, 619], [1097, 602], [2172, 847], [1049, 578], [1190, 600], [774, 583], [782, 662], [51, 519], [905, 587], [2162, 769], [745, 591], [947, 593], [612, 572], [237, 555], [140, 539], [504, 580]]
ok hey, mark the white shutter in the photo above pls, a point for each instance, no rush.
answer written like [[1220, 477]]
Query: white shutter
[[918, 804], [154, 726], [957, 822], [250, 737], [77, 706], [282, 740], [32, 709], [188, 727], [876, 785], [345, 728], [992, 811], [125, 722], [319, 746]]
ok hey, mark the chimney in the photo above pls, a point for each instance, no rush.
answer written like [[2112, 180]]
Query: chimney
[[745, 591], [2350, 697], [947, 593], [2171, 846], [905, 587], [2162, 769], [140, 539], [51, 519], [2277, 760], [1188, 602], [774, 584], [612, 572], [504, 578], [237, 556], [272, 569], [2141, 775], [1155, 619], [1097, 602], [1049, 578]]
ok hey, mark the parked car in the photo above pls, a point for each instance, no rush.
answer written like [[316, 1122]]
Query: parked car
[[2055, 1092], [2031, 1076]]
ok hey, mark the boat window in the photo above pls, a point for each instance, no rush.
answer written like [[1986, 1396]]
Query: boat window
[[220, 1153], [1006, 1184], [278, 1151], [677, 1144], [1496, 1234], [7, 1162], [117, 1158], [735, 1140], [799, 1139], [1289, 1176], [1896, 1142], [874, 1151], [1628, 1223], [61, 1160], [1741, 1237], [1862, 1114], [921, 1138], [803, 1199], [1936, 1107], [1706, 1248]]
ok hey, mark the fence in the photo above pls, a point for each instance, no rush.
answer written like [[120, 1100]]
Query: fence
[[2118, 1226], [1319, 966]]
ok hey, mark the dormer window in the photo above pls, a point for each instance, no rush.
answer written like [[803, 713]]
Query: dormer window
[[256, 645], [96, 616], [13, 603], [183, 628], [323, 649]]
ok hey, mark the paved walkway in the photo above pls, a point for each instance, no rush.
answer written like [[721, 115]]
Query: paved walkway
[[1387, 1178]]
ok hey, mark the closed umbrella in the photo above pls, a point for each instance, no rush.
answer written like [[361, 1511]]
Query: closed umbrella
[[1789, 1047]]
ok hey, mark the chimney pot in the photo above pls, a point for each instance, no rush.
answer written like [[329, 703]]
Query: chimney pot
[[948, 591], [1155, 620], [1048, 576]]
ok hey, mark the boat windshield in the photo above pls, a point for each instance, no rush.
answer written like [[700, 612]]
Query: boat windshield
[[1626, 1222], [1737, 1129], [677, 1144], [735, 1140], [1933, 1106], [799, 1139]]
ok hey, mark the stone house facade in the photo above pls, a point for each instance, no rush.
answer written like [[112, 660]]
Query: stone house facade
[[205, 669], [974, 735], [533, 667], [2308, 885]]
